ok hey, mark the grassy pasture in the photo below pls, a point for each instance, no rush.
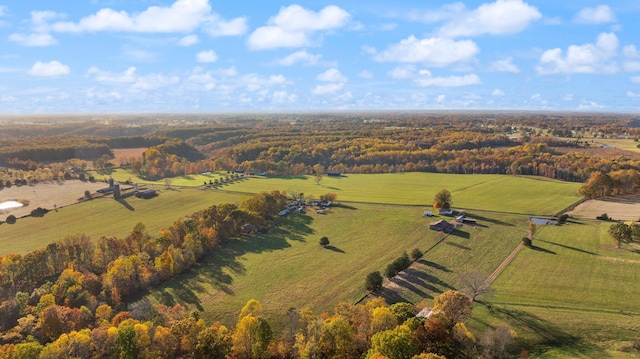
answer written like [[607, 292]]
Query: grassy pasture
[[573, 292], [288, 268], [511, 194], [107, 217], [195, 180]]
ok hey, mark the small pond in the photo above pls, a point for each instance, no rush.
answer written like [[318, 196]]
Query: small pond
[[10, 205]]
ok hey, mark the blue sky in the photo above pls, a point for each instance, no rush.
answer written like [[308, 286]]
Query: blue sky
[[114, 56]]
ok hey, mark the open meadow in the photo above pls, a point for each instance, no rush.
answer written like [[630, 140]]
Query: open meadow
[[500, 193], [107, 217], [572, 295]]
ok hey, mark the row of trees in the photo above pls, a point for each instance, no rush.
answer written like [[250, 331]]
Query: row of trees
[[80, 275], [620, 182], [371, 330]]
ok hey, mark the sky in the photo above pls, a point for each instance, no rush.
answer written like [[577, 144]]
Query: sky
[[198, 56]]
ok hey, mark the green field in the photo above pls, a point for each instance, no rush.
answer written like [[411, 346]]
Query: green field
[[500, 193], [509, 194], [573, 295], [573, 290], [288, 268], [107, 217], [195, 180]]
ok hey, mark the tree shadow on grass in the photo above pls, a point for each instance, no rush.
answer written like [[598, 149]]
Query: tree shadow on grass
[[457, 245], [391, 296], [551, 335], [345, 206], [490, 220], [540, 249], [419, 282], [217, 269], [569, 247], [335, 249], [433, 265]]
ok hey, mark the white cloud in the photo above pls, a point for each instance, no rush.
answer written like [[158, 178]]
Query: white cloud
[[36, 39], [254, 82], [294, 25], [297, 18], [188, 40], [402, 72], [567, 97], [49, 69], [332, 75], [589, 105], [182, 16], [633, 94], [216, 27], [426, 80], [635, 79], [497, 18], [40, 35], [497, 93], [435, 51], [365, 75], [600, 14], [441, 99], [128, 76], [325, 89], [283, 97], [300, 56], [272, 37], [505, 65], [588, 58], [631, 51], [632, 66], [207, 56], [153, 82]]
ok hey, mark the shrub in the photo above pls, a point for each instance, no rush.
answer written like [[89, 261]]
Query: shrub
[[527, 242], [416, 254], [373, 281], [87, 194], [11, 219], [39, 212], [390, 271], [603, 217], [324, 241], [563, 218]]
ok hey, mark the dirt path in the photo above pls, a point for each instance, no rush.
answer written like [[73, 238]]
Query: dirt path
[[502, 266]]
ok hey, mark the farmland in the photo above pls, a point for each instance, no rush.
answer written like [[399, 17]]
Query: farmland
[[527, 195], [380, 216]]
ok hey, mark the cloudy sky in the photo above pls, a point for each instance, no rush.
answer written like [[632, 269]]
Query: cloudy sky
[[102, 56]]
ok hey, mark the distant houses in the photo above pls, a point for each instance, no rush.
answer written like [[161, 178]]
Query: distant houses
[[445, 211]]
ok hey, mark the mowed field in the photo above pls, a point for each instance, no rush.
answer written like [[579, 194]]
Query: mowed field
[[574, 294], [510, 194], [288, 268], [108, 217]]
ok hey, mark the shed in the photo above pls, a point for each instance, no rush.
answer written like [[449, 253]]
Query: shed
[[442, 226], [147, 193], [427, 214], [445, 211]]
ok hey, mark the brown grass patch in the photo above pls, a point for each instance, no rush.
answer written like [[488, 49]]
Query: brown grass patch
[[626, 208], [46, 195], [122, 155]]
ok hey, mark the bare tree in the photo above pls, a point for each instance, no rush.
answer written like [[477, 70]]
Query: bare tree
[[472, 284]]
